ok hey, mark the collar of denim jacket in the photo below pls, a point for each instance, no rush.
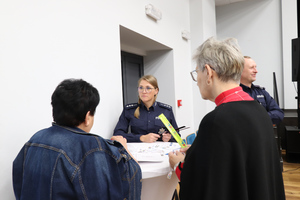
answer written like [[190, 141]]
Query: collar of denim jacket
[[74, 130]]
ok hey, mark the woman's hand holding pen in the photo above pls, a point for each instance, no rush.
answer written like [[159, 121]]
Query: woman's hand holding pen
[[177, 156], [150, 137]]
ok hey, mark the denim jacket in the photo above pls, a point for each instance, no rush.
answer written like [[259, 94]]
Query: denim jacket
[[68, 163]]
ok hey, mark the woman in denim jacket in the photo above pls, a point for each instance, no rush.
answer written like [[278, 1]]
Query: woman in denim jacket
[[65, 161]]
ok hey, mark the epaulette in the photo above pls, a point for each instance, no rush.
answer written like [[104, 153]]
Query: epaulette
[[131, 105], [163, 105], [259, 87]]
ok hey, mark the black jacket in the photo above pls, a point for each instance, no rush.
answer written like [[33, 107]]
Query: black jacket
[[234, 156]]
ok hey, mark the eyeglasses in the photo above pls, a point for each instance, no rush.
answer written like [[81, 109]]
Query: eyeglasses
[[146, 89], [194, 73]]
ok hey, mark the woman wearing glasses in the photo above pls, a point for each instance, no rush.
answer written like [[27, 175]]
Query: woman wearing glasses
[[139, 122], [234, 155]]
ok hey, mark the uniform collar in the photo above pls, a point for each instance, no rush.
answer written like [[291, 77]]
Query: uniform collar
[[151, 107], [246, 87]]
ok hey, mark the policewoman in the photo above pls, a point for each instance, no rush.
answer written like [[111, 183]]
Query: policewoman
[[139, 122]]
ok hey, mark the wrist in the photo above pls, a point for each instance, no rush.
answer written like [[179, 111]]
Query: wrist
[[142, 138], [176, 165]]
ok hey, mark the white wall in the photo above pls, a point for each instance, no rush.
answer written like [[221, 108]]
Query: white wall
[[44, 42], [161, 65], [265, 36], [203, 26]]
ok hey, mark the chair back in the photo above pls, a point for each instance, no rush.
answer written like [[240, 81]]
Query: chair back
[[190, 138]]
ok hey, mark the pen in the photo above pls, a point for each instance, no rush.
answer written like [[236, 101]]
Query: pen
[[174, 150], [180, 128]]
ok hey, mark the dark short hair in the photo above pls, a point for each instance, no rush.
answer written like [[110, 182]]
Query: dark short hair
[[71, 101]]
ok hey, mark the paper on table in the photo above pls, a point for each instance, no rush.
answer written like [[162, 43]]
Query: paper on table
[[151, 152]]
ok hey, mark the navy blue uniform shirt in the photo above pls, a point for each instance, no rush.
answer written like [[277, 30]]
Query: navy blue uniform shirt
[[264, 98], [132, 128]]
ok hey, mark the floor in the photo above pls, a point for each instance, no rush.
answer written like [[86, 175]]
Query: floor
[[291, 178]]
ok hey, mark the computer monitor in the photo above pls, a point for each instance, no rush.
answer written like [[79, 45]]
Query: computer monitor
[[295, 59]]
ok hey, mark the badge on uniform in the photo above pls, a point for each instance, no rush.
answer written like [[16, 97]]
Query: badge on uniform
[[161, 131]]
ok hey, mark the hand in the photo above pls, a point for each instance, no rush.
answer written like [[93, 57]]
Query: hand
[[166, 137], [120, 139], [123, 141], [183, 150], [175, 158], [150, 137]]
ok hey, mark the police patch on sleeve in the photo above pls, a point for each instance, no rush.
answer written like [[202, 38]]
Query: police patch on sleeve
[[164, 105]]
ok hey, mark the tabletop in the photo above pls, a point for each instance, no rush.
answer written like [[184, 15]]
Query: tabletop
[[153, 157]]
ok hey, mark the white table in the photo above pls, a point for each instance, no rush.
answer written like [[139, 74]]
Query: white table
[[155, 184]]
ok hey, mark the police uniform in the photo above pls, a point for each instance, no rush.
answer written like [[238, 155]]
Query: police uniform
[[264, 98], [148, 122]]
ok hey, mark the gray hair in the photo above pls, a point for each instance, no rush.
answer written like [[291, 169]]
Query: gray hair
[[224, 56]]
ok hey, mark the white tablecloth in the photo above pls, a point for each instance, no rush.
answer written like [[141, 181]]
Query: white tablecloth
[[155, 184]]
